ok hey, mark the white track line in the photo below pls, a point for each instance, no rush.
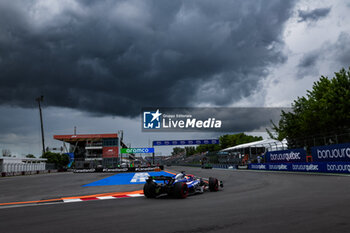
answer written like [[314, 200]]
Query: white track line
[[105, 197], [135, 195], [72, 200]]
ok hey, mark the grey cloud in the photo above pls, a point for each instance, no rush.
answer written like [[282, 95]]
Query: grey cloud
[[342, 49], [308, 60], [114, 57], [338, 53], [313, 15], [307, 64]]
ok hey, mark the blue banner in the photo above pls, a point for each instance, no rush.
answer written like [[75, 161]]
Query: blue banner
[[71, 156], [71, 159], [283, 156], [185, 142], [323, 167], [336, 152]]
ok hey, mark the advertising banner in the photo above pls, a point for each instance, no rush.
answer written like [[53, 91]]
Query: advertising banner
[[284, 156], [136, 150], [71, 156], [308, 167], [331, 153], [337, 167], [71, 159], [323, 167], [110, 152], [185, 142], [279, 166], [257, 166]]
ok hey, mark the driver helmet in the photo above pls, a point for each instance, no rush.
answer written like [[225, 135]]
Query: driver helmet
[[179, 176]]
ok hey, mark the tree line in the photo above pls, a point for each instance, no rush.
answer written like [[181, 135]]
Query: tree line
[[320, 116]]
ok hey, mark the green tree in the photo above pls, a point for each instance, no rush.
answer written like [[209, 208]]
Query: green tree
[[325, 110], [190, 150], [6, 153], [230, 140], [177, 151], [209, 147], [60, 160]]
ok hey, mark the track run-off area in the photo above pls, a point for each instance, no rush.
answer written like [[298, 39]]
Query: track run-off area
[[250, 202]]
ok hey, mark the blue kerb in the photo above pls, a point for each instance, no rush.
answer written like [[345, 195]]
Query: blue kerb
[[126, 178]]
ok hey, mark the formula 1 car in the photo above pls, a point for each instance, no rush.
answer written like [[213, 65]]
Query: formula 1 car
[[180, 185]]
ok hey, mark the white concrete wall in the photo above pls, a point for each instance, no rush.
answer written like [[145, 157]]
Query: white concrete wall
[[20, 167]]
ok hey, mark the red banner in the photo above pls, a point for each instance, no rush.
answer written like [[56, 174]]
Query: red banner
[[110, 152]]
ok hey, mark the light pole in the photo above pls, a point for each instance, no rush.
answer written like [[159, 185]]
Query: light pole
[[120, 133], [40, 99]]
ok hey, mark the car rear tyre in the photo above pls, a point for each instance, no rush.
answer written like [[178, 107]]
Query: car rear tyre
[[149, 189], [180, 190], [213, 184]]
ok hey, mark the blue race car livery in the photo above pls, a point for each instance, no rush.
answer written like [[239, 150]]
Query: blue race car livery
[[180, 185]]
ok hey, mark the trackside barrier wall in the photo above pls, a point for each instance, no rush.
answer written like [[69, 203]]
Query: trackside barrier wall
[[224, 166], [325, 167], [22, 167]]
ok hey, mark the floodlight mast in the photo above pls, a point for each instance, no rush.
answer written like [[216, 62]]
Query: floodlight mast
[[40, 99]]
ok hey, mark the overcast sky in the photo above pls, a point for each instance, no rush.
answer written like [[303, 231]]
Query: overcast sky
[[97, 63]]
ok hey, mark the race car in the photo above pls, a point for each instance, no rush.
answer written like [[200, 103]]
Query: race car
[[179, 186]]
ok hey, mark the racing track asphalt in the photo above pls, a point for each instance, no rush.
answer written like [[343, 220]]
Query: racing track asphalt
[[250, 202]]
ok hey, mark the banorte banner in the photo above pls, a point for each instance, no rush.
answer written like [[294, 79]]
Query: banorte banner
[[331, 153], [285, 156]]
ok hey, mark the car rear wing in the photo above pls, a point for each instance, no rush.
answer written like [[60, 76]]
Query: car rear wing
[[168, 180], [160, 178]]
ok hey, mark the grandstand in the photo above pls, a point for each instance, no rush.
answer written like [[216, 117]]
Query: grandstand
[[93, 150], [250, 151]]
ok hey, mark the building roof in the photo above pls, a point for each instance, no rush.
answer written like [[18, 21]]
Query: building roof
[[83, 137], [267, 143]]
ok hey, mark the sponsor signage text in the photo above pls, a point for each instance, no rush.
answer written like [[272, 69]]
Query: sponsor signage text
[[136, 150], [336, 152], [325, 167], [294, 155]]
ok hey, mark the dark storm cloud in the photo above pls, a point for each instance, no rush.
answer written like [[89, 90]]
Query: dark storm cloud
[[114, 57], [313, 15]]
